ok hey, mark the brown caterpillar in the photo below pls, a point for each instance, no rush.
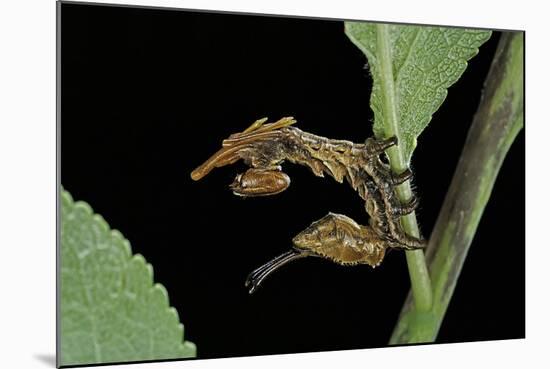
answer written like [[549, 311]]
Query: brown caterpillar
[[264, 147]]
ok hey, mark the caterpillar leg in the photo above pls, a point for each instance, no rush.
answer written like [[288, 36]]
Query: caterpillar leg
[[384, 171], [407, 242], [404, 209], [396, 232], [402, 177], [377, 147]]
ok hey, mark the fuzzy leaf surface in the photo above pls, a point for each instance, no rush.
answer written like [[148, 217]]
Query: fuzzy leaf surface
[[421, 62]]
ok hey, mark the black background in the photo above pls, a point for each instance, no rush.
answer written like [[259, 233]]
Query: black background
[[149, 94]]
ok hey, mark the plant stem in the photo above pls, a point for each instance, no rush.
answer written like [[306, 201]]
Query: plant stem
[[418, 272], [498, 120]]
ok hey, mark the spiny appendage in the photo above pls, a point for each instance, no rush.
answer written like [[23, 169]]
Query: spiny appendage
[[244, 145], [336, 158], [334, 237]]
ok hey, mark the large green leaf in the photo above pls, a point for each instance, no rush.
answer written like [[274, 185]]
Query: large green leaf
[[110, 309], [412, 67]]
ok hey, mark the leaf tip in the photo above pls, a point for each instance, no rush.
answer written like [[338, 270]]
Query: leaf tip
[[66, 198], [189, 348], [161, 291]]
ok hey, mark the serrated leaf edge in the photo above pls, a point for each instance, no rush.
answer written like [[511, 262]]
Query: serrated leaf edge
[[464, 62], [121, 241]]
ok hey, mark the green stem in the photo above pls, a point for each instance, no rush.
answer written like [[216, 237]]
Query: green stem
[[420, 279], [498, 120]]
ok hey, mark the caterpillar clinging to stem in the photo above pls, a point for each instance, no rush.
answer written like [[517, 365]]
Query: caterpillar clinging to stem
[[264, 147]]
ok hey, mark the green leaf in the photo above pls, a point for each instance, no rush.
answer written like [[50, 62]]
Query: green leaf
[[496, 124], [412, 67], [110, 309]]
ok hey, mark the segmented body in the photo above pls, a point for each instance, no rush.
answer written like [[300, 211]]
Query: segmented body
[[336, 237], [359, 164]]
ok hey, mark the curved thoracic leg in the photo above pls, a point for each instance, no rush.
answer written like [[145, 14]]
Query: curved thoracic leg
[[377, 147], [404, 209], [384, 171], [406, 242], [403, 240], [402, 177]]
